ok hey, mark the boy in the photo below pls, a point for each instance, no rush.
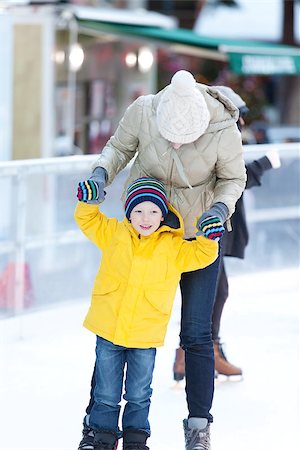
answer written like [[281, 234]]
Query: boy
[[142, 260]]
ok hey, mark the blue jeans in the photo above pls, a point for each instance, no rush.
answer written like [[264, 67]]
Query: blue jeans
[[198, 293], [109, 375]]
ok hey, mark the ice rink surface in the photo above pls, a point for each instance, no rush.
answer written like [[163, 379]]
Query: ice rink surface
[[47, 359]]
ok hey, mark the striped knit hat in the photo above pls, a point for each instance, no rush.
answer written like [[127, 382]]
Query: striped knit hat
[[146, 190]]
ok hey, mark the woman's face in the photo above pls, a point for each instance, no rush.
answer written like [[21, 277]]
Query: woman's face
[[176, 146]]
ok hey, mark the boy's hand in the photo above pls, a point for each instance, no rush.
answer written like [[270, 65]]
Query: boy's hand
[[88, 192], [211, 228]]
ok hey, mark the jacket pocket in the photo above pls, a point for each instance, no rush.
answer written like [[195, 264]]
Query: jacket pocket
[[161, 301], [104, 310], [105, 286]]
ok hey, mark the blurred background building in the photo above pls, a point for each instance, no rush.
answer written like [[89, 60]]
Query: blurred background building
[[70, 68]]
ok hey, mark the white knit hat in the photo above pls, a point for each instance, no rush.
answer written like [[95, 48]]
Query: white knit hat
[[182, 113]]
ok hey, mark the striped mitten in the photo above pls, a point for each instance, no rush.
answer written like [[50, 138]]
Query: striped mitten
[[88, 191], [212, 228]]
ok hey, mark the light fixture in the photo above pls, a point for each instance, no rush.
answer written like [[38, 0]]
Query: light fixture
[[76, 57], [131, 59], [59, 56], [145, 59]]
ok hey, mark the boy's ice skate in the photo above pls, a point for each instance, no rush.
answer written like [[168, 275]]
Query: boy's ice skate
[[87, 441], [135, 439], [195, 438], [105, 440]]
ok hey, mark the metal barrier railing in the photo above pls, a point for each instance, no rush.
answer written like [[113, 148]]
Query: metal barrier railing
[[38, 197]]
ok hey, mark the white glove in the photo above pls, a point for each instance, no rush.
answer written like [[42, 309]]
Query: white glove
[[273, 157]]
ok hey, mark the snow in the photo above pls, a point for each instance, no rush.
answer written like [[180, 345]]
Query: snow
[[47, 359]]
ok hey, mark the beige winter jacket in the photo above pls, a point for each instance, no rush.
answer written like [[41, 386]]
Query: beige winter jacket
[[207, 171]]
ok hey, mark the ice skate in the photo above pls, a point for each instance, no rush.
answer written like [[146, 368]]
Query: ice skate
[[195, 438], [105, 440], [222, 365], [135, 440], [179, 365], [87, 441]]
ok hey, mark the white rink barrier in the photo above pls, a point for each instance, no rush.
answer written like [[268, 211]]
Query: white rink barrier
[[45, 259]]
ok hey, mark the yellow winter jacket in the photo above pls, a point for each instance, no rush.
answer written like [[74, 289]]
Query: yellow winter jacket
[[136, 283]]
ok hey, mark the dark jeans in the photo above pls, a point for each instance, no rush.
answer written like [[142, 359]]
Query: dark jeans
[[221, 297], [198, 293], [111, 361]]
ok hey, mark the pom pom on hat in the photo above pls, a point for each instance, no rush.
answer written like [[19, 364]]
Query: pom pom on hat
[[183, 81], [146, 190], [182, 113]]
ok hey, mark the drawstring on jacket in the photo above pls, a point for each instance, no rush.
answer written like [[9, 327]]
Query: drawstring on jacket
[[180, 168]]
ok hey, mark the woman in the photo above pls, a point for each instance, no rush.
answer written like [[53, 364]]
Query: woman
[[185, 136]]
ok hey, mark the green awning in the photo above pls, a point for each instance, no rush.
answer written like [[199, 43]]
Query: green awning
[[244, 57], [270, 59]]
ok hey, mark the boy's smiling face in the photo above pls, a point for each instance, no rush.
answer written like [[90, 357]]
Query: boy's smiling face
[[146, 218]]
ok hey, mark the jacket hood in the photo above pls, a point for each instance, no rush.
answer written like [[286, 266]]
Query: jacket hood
[[219, 106], [223, 113], [172, 223]]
